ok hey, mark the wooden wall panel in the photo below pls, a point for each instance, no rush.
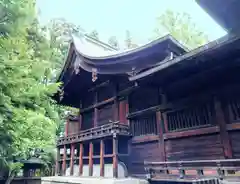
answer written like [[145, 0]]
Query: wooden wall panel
[[142, 99], [235, 142], [147, 151], [73, 127], [202, 147], [87, 120], [105, 114]]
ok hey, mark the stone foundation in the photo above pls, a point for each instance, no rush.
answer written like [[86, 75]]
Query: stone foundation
[[90, 180]]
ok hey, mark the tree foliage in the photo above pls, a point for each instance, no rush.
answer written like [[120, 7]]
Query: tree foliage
[[94, 34], [180, 26], [60, 34], [28, 116], [113, 42], [129, 43]]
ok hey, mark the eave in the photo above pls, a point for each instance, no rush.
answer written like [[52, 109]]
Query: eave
[[204, 54], [225, 12]]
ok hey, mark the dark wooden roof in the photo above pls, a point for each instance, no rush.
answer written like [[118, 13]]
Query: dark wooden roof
[[222, 51], [225, 12], [227, 46], [76, 75]]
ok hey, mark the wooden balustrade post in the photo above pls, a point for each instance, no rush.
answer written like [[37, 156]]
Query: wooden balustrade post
[[221, 121], [72, 159], [64, 160], [102, 149], [90, 159], [115, 156], [81, 159]]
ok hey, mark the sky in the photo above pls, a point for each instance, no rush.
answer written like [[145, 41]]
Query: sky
[[114, 17]]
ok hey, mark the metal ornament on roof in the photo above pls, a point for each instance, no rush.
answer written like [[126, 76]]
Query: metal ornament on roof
[[94, 74], [133, 72]]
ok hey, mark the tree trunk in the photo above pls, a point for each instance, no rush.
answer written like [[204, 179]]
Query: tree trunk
[[9, 179]]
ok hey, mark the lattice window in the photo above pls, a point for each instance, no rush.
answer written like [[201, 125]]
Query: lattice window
[[190, 117], [144, 125], [234, 107]]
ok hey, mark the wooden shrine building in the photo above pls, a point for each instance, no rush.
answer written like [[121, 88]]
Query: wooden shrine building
[[150, 107]]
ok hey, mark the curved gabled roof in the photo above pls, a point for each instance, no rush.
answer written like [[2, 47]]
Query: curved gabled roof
[[119, 62], [84, 58]]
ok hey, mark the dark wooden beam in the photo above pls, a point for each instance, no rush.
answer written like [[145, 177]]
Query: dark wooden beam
[[103, 84], [146, 138], [90, 159], [97, 105], [189, 133], [81, 159], [233, 126], [115, 156], [102, 148], [221, 121], [72, 159]]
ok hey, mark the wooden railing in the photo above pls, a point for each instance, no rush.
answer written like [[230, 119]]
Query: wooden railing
[[182, 170], [94, 133]]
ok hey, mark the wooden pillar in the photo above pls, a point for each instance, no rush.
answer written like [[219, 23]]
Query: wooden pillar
[[57, 162], [102, 149], [221, 121], [123, 110], [72, 159], [81, 159], [80, 122], [66, 128], [116, 118], [65, 150], [116, 115], [90, 159], [127, 111], [115, 156], [95, 111], [64, 160], [164, 115], [161, 138], [95, 117]]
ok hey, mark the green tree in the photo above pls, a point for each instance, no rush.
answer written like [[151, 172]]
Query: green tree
[[129, 41], [60, 33], [94, 34], [180, 26], [113, 42], [28, 116]]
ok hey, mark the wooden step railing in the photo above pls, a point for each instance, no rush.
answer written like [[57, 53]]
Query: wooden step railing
[[184, 170], [96, 132]]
